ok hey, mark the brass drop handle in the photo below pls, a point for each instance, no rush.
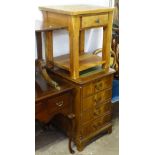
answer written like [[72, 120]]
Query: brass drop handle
[[97, 100], [97, 21], [98, 86], [97, 112], [59, 104]]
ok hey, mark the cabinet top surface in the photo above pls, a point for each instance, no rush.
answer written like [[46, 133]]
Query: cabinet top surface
[[76, 9]]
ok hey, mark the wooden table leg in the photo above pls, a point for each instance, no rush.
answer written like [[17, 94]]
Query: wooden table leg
[[107, 35], [82, 41], [49, 48], [71, 132], [39, 44], [74, 29]]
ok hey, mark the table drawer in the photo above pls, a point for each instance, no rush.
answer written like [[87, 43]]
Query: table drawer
[[96, 99], [57, 103], [97, 85], [96, 20]]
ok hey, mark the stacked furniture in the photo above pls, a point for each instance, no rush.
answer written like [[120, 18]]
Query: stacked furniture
[[89, 74]]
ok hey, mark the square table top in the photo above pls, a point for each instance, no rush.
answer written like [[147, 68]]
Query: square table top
[[76, 9]]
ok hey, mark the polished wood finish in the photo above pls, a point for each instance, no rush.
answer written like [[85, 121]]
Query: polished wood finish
[[85, 61], [77, 18], [74, 27], [107, 42], [51, 102], [49, 46], [76, 9], [92, 105], [82, 42]]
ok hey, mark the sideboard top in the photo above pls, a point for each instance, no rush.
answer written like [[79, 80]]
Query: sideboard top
[[76, 9]]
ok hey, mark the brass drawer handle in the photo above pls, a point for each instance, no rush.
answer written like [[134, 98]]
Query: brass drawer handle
[[97, 100], [97, 125], [97, 112], [59, 104], [97, 21], [98, 86]]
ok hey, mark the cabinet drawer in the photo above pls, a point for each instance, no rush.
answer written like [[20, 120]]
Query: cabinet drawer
[[102, 96], [95, 125], [96, 99], [99, 123], [102, 109], [102, 84], [97, 86], [96, 112], [57, 103], [96, 20]]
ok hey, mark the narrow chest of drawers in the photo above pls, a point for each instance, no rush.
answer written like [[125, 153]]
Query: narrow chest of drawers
[[96, 106], [92, 105]]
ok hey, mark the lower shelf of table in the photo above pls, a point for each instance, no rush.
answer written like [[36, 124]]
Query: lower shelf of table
[[86, 61]]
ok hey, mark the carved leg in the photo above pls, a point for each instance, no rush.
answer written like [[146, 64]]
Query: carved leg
[[70, 145], [110, 130], [71, 132]]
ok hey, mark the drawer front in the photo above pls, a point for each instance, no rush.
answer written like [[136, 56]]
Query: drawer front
[[99, 123], [96, 112], [96, 20], [95, 125], [102, 109], [102, 84], [97, 85], [41, 113], [96, 99], [39, 107], [57, 103], [102, 96]]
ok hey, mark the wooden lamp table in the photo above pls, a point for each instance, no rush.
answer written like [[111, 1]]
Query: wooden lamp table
[[76, 19]]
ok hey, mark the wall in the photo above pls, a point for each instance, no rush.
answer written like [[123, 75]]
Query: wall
[[93, 38]]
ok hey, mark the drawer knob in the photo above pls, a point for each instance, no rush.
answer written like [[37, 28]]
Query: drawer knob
[[59, 104], [97, 21]]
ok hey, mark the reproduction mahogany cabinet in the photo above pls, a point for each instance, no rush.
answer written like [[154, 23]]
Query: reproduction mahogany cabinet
[[92, 105], [76, 19]]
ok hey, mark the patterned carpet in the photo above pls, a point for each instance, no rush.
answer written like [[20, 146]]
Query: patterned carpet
[[51, 142]]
